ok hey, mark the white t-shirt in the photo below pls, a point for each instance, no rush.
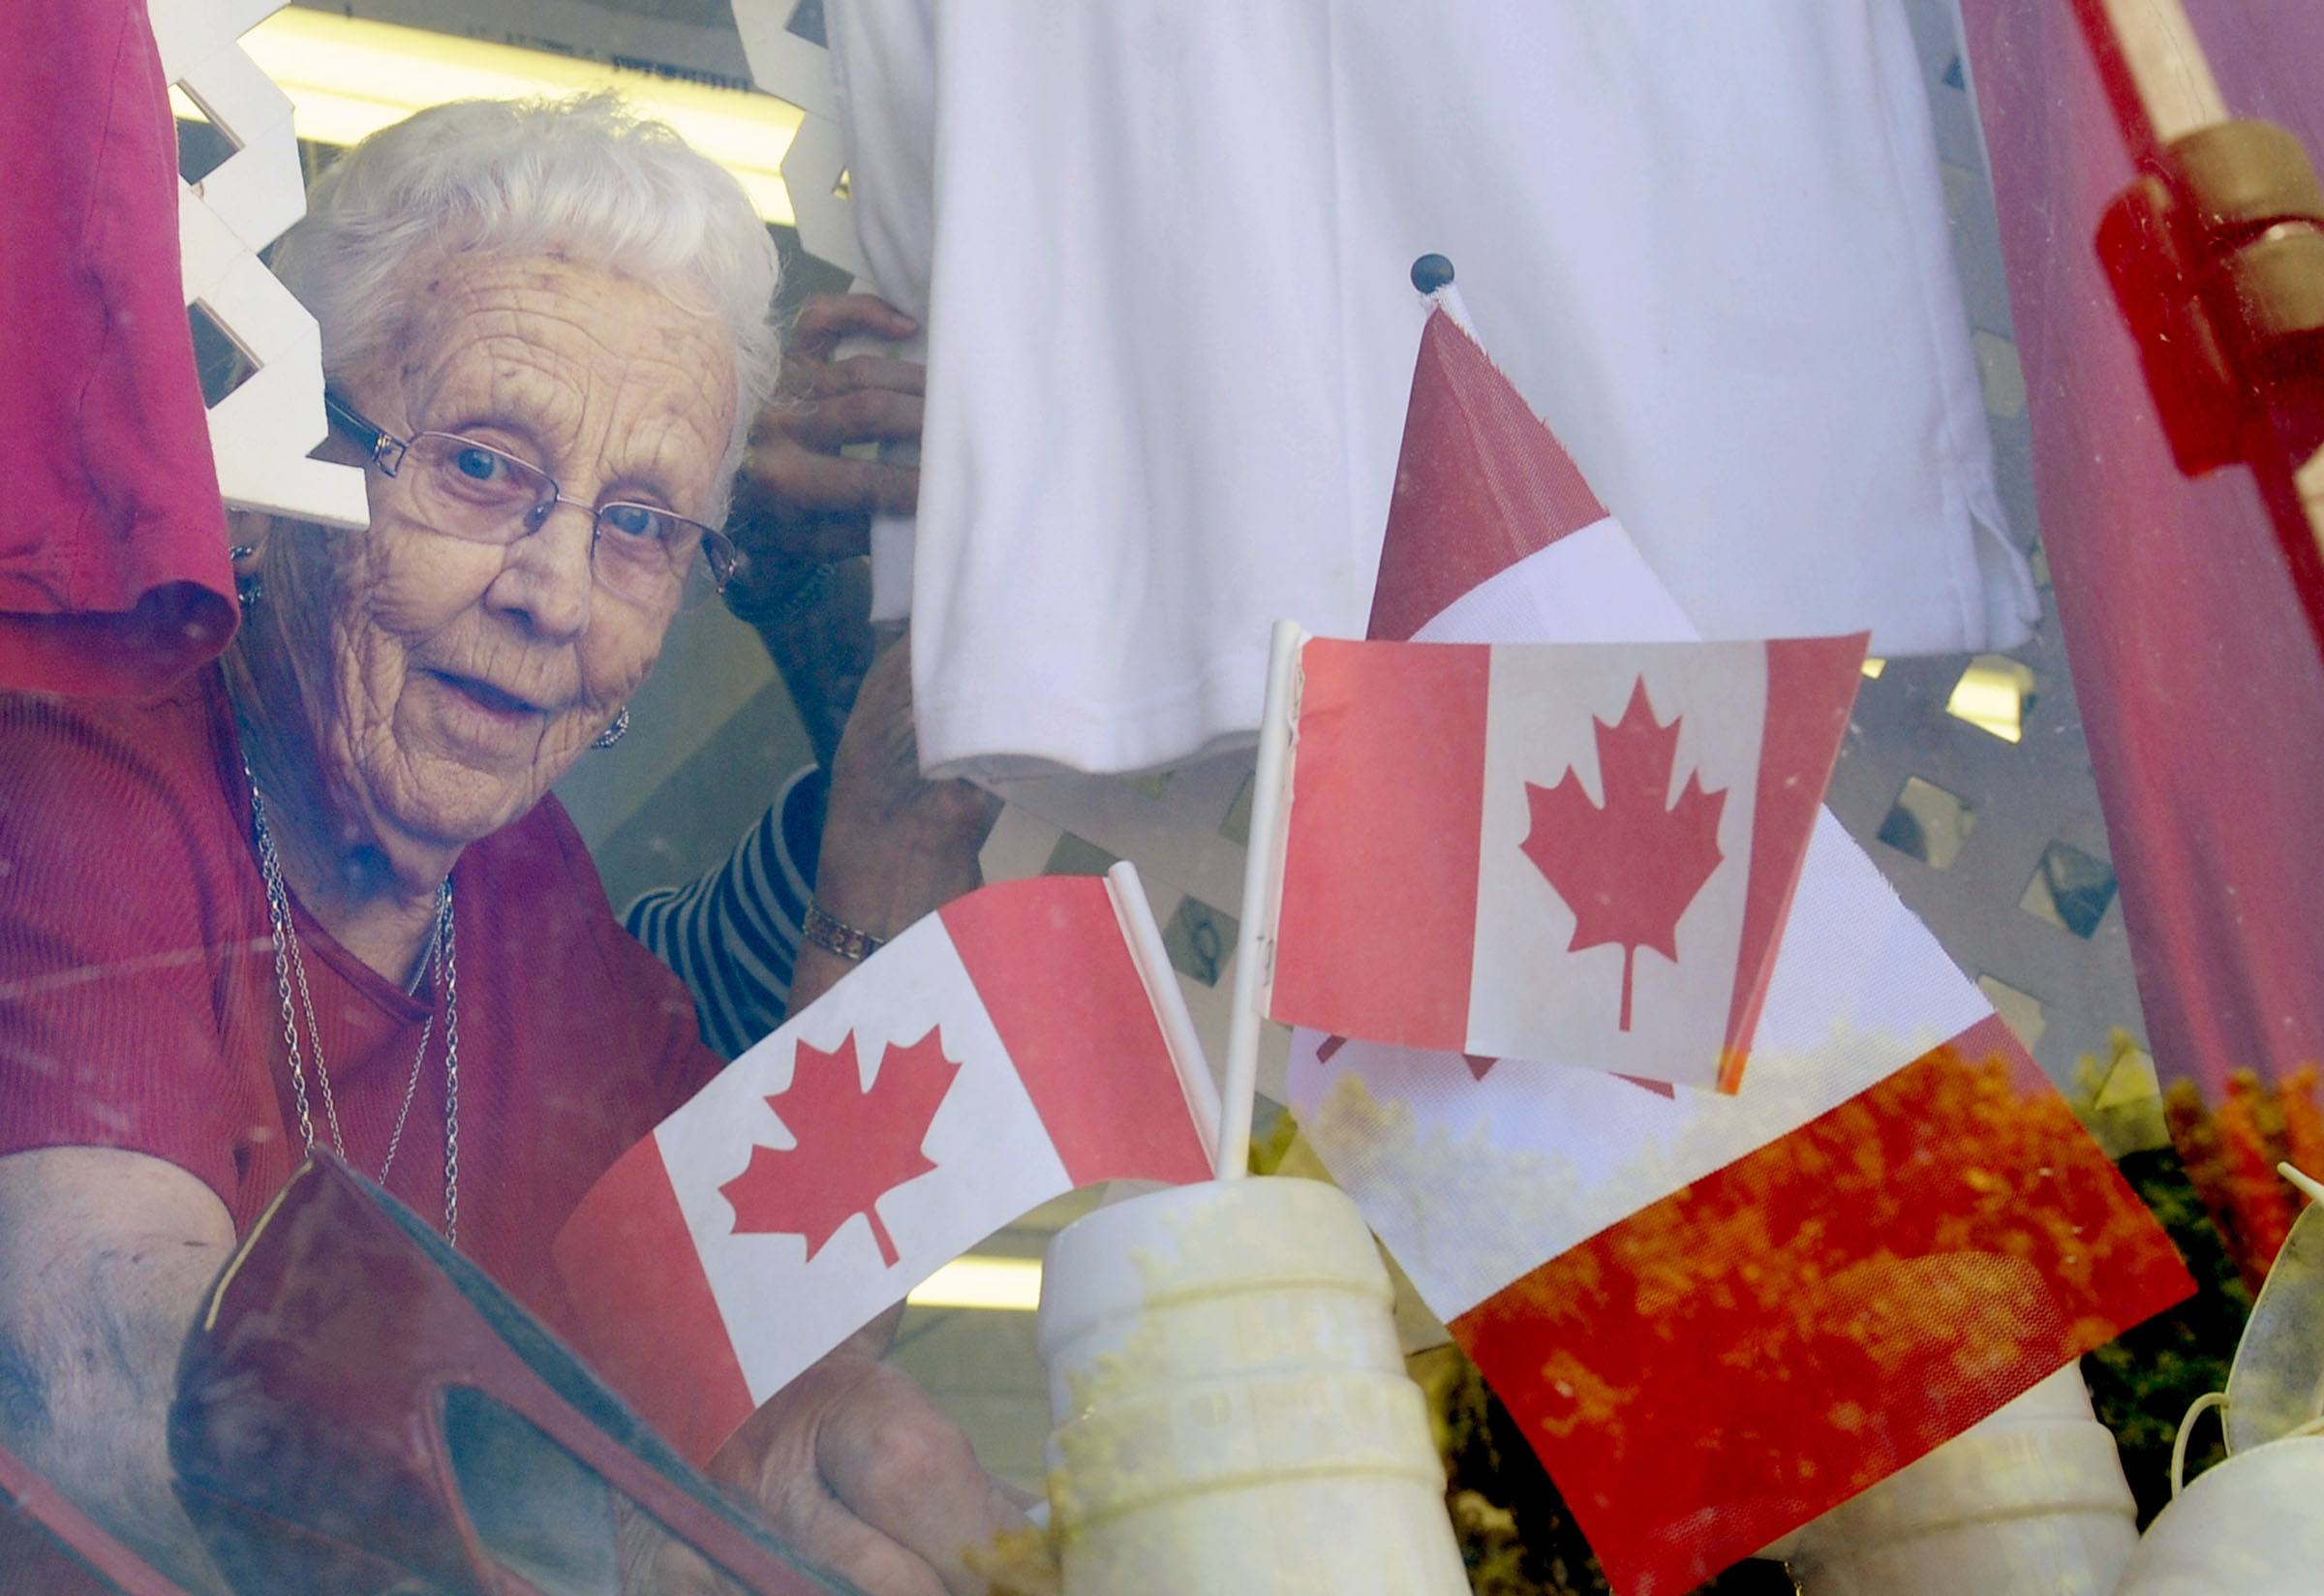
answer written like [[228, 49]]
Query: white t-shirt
[[1172, 329]]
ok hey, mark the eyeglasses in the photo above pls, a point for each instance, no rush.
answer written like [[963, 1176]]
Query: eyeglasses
[[485, 495]]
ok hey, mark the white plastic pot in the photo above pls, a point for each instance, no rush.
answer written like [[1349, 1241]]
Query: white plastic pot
[[2032, 1499], [1232, 1408], [2251, 1526]]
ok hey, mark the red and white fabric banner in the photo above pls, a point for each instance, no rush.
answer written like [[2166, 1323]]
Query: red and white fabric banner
[[1484, 841], [1715, 1317], [1001, 1053], [114, 573], [2194, 657]]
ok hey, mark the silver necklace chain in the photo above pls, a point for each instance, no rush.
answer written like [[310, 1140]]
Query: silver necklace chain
[[290, 968]]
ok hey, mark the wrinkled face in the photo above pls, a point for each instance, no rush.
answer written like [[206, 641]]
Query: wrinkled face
[[463, 678]]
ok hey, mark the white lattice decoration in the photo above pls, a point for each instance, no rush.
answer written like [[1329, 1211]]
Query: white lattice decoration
[[2069, 987], [263, 431], [798, 69], [2025, 797]]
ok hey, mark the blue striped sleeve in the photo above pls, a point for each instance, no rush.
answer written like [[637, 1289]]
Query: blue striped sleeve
[[732, 935]]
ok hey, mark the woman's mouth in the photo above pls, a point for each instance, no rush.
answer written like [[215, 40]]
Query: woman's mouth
[[493, 700]]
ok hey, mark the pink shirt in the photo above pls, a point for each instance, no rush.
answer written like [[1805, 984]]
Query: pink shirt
[[138, 1006], [112, 551]]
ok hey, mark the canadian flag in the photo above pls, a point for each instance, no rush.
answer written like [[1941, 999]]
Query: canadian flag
[[1484, 840], [1715, 1317], [1016, 1045]]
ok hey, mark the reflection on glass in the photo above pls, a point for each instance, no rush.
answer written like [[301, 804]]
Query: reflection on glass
[[2069, 889], [1996, 695], [1928, 823]]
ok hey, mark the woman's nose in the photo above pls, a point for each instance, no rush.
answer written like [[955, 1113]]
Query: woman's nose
[[547, 580]]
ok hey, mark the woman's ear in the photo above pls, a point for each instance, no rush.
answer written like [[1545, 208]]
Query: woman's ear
[[245, 546], [251, 536]]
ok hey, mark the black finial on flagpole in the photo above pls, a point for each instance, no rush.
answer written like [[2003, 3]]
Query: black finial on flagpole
[[1431, 272]]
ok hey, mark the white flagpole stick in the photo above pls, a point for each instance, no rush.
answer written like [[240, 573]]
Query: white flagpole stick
[[1152, 961], [1456, 308], [1261, 884], [2151, 60], [2314, 1187]]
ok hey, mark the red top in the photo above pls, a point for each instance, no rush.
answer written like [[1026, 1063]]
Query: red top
[[139, 1007], [112, 554]]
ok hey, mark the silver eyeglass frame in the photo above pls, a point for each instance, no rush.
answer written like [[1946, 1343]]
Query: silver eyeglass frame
[[386, 451]]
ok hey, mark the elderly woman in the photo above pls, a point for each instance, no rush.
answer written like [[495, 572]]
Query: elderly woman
[[321, 898]]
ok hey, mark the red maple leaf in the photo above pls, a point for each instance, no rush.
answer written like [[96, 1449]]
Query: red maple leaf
[[852, 1147], [1628, 869]]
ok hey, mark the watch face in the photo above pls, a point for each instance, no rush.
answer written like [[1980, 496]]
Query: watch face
[[837, 937]]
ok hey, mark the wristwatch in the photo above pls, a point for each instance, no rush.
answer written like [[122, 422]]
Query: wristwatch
[[835, 936]]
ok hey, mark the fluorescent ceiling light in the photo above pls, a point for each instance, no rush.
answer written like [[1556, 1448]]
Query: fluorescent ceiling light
[[1011, 1285], [348, 78]]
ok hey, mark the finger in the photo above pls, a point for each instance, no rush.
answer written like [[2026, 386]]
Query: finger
[[805, 378], [781, 476], [826, 1534], [863, 417], [912, 1476], [827, 318], [821, 379], [831, 484], [834, 1539]]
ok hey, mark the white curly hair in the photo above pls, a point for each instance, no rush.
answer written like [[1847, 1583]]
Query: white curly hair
[[583, 176]]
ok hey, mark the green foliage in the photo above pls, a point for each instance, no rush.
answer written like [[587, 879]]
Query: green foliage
[[2143, 1382]]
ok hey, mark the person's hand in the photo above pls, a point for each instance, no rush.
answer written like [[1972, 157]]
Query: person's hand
[[803, 510], [853, 1466], [799, 500], [896, 845]]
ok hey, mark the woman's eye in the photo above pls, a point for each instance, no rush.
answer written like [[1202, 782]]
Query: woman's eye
[[633, 520], [480, 465]]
